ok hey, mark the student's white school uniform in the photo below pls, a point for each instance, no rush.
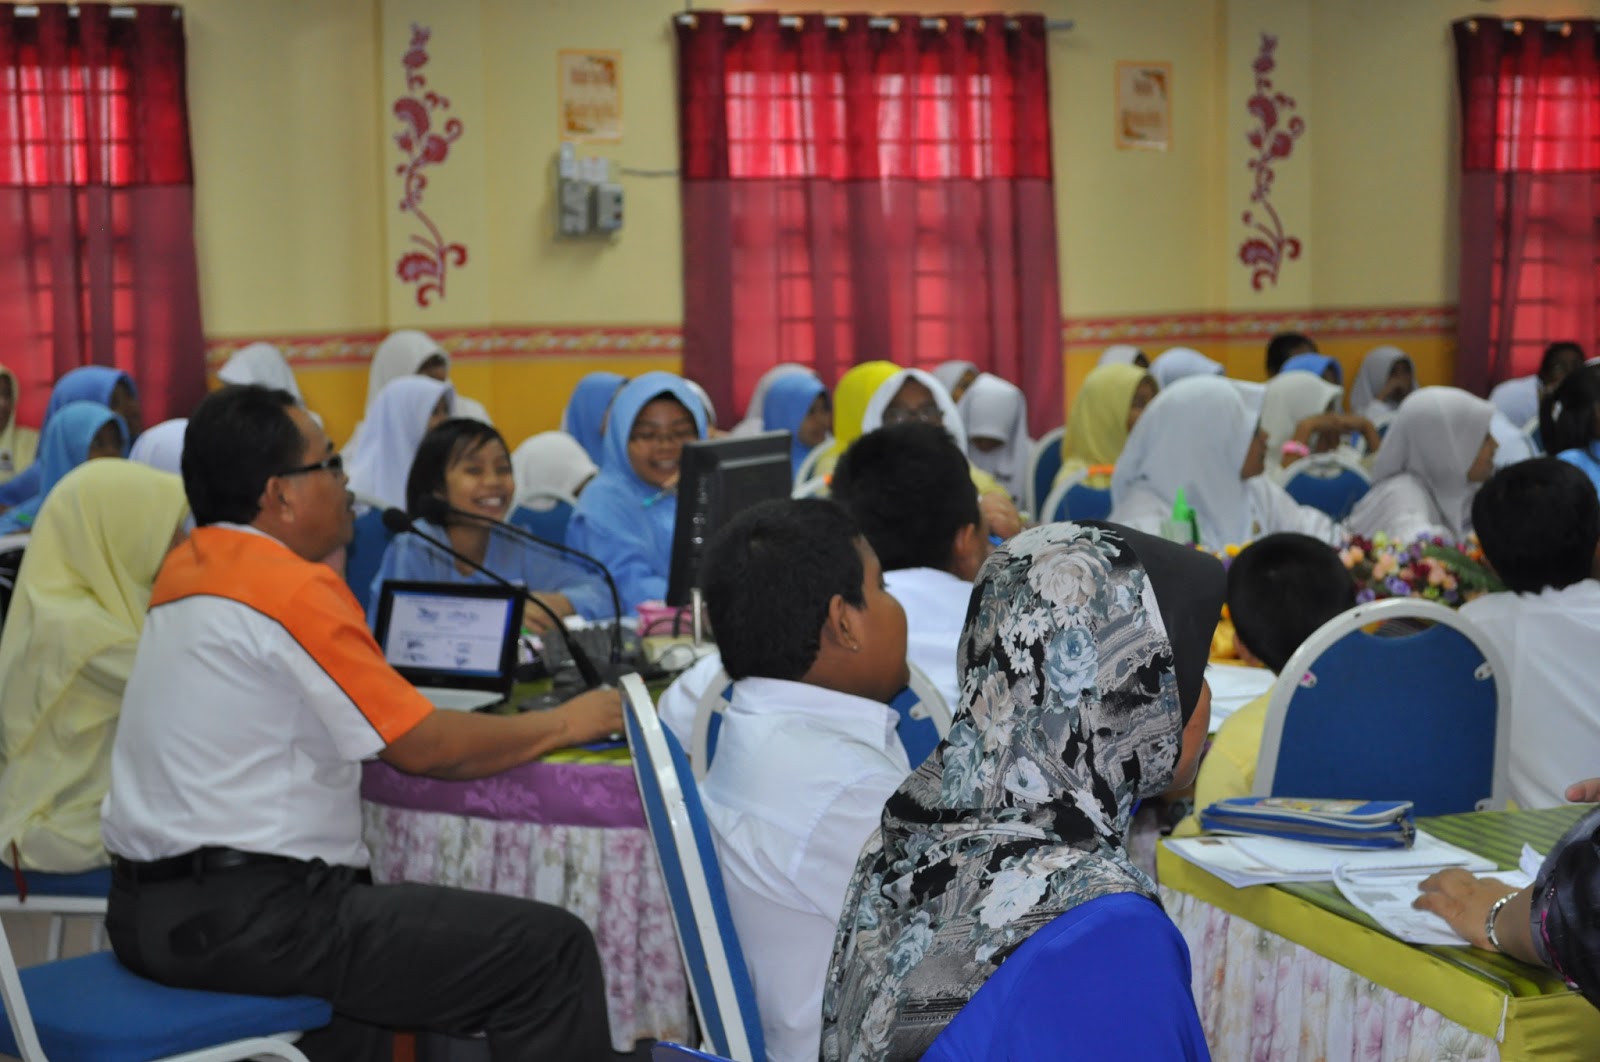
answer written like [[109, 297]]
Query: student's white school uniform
[[797, 787], [678, 703], [1419, 480], [1547, 642], [1268, 509], [936, 609]]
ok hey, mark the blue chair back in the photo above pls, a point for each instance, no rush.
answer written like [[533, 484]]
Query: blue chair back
[[1417, 716], [364, 556], [919, 736], [680, 1053], [1043, 465], [1083, 502], [1333, 488], [548, 523], [719, 980]]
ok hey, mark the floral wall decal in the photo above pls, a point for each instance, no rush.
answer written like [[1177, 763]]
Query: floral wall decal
[[422, 144], [1273, 137]]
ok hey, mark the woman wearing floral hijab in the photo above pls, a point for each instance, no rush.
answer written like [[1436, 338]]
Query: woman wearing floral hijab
[[997, 892]]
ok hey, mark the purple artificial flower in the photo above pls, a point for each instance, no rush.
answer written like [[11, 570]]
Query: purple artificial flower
[[1398, 586], [1366, 596]]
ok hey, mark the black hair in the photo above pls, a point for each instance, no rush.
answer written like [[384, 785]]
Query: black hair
[[238, 438], [1285, 345], [1281, 588], [447, 443], [1539, 524], [769, 576], [1566, 415], [910, 490], [1552, 357]]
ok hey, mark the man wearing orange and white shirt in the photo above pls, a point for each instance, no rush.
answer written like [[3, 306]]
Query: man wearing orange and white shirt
[[234, 818]]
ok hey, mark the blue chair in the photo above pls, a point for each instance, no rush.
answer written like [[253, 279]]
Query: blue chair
[[93, 1009], [680, 1053], [1420, 716], [719, 981], [545, 515], [1043, 464], [1074, 499], [364, 555], [57, 895], [1327, 482]]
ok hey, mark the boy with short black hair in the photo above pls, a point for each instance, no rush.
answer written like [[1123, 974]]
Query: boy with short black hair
[[1539, 523], [909, 490], [808, 750], [1285, 345], [1281, 589]]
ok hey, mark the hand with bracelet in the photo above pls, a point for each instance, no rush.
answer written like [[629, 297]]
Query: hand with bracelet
[[1490, 914]]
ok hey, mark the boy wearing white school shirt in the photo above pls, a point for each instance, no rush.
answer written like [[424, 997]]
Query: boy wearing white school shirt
[[1539, 524], [808, 752]]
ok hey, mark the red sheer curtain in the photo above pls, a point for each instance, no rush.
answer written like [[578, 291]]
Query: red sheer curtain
[[97, 258], [858, 193], [1530, 193]]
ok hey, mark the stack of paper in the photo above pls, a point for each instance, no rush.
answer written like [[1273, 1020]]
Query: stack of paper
[[1245, 861], [1386, 897]]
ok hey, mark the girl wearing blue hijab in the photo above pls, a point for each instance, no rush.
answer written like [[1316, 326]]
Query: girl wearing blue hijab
[[1320, 364], [77, 432], [626, 513], [111, 388], [585, 415], [798, 404]]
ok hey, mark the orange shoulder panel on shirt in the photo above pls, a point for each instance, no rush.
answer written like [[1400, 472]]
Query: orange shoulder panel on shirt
[[309, 601]]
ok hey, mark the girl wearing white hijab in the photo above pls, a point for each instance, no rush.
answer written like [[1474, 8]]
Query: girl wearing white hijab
[[1438, 450], [262, 364], [996, 417], [1301, 410], [551, 462], [751, 424], [409, 352], [1198, 436], [1181, 362], [161, 447], [1385, 378], [1124, 354], [404, 412], [956, 376]]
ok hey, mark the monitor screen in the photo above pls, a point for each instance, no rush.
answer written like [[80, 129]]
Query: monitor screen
[[717, 480], [445, 631]]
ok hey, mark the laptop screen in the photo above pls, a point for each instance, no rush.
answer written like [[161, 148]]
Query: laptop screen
[[447, 634]]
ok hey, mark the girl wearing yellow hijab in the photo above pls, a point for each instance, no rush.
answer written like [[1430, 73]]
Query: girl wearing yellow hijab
[[18, 445], [1108, 404], [66, 650]]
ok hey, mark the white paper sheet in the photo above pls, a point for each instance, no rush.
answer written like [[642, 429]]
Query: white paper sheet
[[1245, 861], [1387, 898]]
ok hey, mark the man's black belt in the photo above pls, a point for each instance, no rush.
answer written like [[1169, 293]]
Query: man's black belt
[[196, 864]]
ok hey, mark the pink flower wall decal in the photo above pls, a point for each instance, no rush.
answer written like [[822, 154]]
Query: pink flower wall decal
[[1269, 245], [421, 145]]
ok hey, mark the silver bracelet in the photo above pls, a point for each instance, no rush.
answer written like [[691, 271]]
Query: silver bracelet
[[1488, 922]]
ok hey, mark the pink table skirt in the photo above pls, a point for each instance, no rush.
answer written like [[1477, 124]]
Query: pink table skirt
[[571, 835]]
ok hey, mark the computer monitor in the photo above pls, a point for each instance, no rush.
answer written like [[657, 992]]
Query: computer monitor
[[717, 480]]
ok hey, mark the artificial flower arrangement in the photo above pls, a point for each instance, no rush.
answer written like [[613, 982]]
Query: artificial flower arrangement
[[1429, 568]]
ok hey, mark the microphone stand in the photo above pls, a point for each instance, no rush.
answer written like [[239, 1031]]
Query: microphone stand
[[397, 521], [440, 512]]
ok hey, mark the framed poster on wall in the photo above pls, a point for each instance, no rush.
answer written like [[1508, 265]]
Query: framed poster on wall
[[1144, 106], [590, 95]]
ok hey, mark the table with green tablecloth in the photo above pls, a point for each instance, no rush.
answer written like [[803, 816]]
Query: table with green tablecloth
[[1295, 971]]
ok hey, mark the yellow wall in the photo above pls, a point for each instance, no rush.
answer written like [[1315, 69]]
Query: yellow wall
[[298, 226]]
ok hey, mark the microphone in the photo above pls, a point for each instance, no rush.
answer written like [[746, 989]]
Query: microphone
[[436, 510], [396, 521]]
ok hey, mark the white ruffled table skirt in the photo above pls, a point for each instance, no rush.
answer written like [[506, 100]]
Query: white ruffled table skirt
[[1263, 998], [608, 876]]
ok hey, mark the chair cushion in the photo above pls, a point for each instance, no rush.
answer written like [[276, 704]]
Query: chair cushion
[[94, 1009], [95, 884]]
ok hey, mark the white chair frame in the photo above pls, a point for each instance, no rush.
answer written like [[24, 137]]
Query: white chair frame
[[808, 467], [930, 702], [1396, 608], [711, 703]]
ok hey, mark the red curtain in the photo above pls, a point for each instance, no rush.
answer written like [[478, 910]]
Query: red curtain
[[1530, 193], [859, 193], [97, 258]]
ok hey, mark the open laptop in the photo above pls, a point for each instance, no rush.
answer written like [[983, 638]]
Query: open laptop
[[456, 643]]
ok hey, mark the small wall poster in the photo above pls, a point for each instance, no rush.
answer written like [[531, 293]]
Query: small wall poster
[[590, 95], [1144, 106]]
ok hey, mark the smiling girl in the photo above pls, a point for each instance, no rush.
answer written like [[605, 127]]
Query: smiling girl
[[466, 463]]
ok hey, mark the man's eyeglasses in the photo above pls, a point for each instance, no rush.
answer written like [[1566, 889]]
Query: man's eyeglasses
[[928, 414], [332, 463]]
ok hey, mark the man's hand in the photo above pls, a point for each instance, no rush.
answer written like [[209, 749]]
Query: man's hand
[[536, 620], [591, 716]]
